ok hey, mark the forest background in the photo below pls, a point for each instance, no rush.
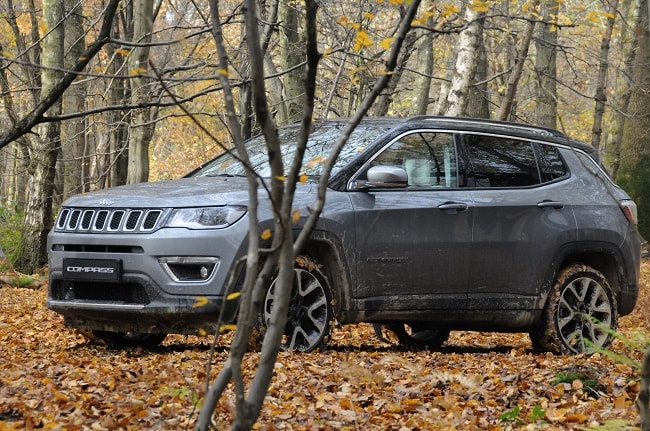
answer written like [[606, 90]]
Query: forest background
[[101, 93]]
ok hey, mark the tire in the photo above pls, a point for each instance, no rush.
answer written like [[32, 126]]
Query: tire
[[418, 335], [311, 311], [120, 340], [580, 314]]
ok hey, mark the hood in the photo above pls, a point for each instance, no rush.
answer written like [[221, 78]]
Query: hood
[[184, 192]]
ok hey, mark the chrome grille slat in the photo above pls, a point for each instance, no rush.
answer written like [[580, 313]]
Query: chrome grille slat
[[101, 220]]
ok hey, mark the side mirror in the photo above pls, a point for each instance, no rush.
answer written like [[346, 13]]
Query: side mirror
[[386, 177]]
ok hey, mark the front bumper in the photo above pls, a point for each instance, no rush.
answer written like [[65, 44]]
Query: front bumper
[[147, 296]]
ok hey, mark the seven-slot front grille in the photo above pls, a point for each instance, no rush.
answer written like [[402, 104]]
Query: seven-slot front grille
[[108, 220]]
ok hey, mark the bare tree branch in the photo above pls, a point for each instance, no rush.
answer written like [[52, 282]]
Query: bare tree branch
[[37, 115]]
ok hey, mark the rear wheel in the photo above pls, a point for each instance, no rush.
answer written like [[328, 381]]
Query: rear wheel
[[130, 339], [309, 320], [580, 314]]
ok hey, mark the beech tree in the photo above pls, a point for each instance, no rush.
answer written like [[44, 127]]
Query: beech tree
[[44, 152]]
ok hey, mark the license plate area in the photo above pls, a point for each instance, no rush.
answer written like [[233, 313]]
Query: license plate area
[[91, 270]]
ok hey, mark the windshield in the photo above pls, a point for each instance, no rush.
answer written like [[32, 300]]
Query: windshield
[[319, 147]]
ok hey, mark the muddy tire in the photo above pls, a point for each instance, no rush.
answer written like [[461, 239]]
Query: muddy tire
[[120, 340], [580, 314], [311, 311]]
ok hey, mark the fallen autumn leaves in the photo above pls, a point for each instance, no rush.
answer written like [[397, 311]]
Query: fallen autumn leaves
[[52, 378]]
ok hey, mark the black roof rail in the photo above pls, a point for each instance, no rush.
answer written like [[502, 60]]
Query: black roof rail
[[508, 125]]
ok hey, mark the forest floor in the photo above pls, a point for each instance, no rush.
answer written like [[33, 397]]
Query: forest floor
[[52, 378]]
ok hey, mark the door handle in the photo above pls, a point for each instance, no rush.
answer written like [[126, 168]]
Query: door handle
[[550, 204], [458, 206]]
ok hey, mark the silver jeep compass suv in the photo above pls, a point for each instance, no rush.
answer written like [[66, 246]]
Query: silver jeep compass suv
[[431, 224]]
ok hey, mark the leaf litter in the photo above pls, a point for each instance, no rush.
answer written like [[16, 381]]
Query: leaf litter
[[54, 378]]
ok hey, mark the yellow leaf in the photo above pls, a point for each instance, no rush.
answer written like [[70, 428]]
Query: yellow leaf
[[122, 51], [303, 179], [368, 15], [202, 332], [295, 216], [138, 71], [226, 328], [479, 6], [281, 178], [387, 42], [362, 40], [449, 10], [266, 234], [200, 302], [233, 295], [223, 72]]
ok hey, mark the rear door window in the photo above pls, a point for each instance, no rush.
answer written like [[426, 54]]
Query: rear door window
[[501, 162]]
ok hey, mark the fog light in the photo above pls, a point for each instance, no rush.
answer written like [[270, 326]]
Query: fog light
[[205, 272], [187, 269]]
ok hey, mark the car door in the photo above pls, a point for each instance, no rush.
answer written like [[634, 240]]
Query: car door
[[413, 242], [521, 219]]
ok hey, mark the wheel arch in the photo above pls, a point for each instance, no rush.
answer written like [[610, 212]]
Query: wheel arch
[[603, 257], [328, 251]]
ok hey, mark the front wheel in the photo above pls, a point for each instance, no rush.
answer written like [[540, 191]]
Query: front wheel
[[310, 315], [580, 314], [130, 339]]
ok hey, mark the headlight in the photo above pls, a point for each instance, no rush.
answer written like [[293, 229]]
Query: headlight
[[206, 217]]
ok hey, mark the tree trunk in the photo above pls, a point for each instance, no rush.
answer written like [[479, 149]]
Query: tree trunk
[[38, 216], [141, 124], [112, 168], [628, 48], [545, 65], [634, 172], [463, 76], [291, 54], [479, 102], [601, 82], [425, 66], [75, 165], [509, 97], [384, 101]]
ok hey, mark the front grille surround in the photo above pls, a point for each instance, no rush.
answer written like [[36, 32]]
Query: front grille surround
[[114, 220]]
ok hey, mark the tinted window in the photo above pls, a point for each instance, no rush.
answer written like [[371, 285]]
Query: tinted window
[[551, 164], [501, 162], [428, 158]]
